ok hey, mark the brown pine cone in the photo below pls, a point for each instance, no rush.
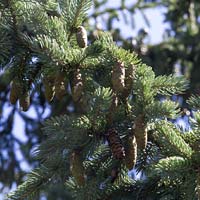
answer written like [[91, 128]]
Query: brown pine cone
[[140, 132], [49, 87], [81, 37], [76, 168], [131, 153], [60, 90], [14, 91], [24, 101], [115, 144], [77, 86], [118, 77]]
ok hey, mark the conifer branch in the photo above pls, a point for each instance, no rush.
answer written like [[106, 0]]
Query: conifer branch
[[115, 100], [166, 132], [168, 85], [165, 109], [76, 13], [31, 186], [14, 25], [194, 102], [170, 166], [60, 130]]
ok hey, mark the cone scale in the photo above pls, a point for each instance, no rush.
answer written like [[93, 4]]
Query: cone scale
[[129, 77], [81, 37], [115, 144], [77, 86], [118, 77], [14, 91], [76, 168], [140, 132], [49, 87], [24, 101], [131, 153], [60, 90]]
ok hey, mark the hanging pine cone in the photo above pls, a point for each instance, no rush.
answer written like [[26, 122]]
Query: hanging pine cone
[[118, 77], [14, 91], [49, 87], [81, 37], [60, 89], [140, 132], [115, 144], [129, 76], [77, 86], [24, 101], [76, 167], [131, 153]]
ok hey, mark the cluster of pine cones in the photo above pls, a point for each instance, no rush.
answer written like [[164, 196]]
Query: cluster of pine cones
[[54, 85], [137, 140], [129, 154], [122, 81], [122, 78], [19, 92]]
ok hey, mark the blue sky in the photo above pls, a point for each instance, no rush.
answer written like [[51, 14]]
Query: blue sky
[[154, 15]]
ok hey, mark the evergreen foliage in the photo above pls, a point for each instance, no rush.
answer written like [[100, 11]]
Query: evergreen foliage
[[83, 150]]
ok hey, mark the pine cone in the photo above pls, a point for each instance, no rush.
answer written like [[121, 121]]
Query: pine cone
[[81, 37], [76, 168], [77, 86], [49, 87], [140, 132], [131, 153], [60, 89], [129, 76], [115, 144], [118, 77], [24, 101], [14, 91]]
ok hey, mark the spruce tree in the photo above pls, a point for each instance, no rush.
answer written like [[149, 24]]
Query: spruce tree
[[119, 124]]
